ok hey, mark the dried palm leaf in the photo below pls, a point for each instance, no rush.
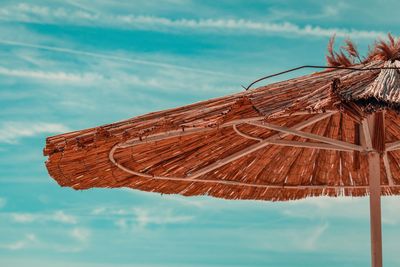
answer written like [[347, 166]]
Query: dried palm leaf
[[351, 49], [382, 50]]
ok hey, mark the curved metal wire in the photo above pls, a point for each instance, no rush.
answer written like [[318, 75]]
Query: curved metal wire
[[318, 67]]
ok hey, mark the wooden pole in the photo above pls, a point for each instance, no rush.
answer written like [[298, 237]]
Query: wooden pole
[[374, 167], [375, 209]]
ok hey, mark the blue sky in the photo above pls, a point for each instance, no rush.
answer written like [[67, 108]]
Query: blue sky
[[68, 65]]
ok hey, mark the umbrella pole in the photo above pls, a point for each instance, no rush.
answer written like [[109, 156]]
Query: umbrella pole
[[375, 209]]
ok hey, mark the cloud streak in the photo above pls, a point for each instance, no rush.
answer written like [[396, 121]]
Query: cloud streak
[[2, 202], [57, 216], [141, 216], [21, 244], [80, 234], [11, 132], [110, 57], [310, 243], [41, 14], [62, 77], [115, 78], [144, 218]]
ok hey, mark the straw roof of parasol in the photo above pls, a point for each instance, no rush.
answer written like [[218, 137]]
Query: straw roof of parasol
[[287, 140]]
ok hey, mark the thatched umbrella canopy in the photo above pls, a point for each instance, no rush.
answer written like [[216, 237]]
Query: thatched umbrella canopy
[[331, 133]]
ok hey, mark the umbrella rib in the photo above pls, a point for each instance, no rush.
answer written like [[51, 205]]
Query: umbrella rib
[[392, 146], [294, 143], [309, 145], [293, 131], [245, 135], [387, 168]]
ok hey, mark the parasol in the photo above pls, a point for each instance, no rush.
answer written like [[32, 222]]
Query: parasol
[[333, 133]]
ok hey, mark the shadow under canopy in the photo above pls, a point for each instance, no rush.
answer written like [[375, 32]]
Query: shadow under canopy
[[331, 133]]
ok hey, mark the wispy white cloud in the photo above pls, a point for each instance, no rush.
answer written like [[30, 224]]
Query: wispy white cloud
[[98, 210], [61, 77], [247, 26], [57, 216], [311, 241], [141, 217], [28, 240], [121, 223], [293, 237], [342, 208], [80, 234], [62, 217], [2, 202], [326, 207], [105, 79], [144, 217], [23, 217], [390, 210], [73, 240], [121, 58], [61, 15], [326, 11], [11, 132]]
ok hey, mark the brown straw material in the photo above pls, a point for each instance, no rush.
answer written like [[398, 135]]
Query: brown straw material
[[284, 141]]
